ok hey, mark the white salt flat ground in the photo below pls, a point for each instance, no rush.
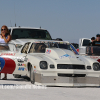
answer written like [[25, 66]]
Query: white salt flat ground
[[51, 93]]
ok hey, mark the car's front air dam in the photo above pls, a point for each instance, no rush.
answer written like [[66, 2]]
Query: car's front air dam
[[66, 81], [7, 65]]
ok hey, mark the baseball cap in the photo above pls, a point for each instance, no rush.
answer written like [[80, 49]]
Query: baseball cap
[[97, 35]]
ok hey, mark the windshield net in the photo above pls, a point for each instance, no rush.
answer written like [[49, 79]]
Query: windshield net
[[30, 34]]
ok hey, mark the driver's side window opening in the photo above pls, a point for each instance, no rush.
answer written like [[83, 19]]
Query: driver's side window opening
[[37, 48], [25, 48]]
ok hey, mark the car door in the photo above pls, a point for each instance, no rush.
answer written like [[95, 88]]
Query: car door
[[21, 61], [83, 42]]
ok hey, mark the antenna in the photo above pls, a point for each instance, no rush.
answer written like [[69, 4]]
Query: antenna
[[14, 14], [10, 23]]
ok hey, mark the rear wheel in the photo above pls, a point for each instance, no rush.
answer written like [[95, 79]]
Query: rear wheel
[[16, 76], [32, 77]]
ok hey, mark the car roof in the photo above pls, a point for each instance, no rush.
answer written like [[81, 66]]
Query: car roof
[[25, 28]]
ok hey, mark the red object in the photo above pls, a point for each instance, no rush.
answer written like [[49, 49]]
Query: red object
[[9, 66], [98, 60], [3, 35], [77, 50]]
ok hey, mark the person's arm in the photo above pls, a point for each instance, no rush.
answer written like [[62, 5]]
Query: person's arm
[[8, 38]]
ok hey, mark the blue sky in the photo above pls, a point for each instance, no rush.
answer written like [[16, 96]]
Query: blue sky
[[66, 19]]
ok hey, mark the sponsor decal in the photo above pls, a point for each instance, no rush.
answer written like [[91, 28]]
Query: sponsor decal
[[48, 51], [21, 59], [94, 57], [66, 55], [22, 69], [10, 54], [19, 64], [35, 71]]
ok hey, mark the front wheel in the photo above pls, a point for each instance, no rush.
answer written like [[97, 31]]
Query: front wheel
[[32, 77]]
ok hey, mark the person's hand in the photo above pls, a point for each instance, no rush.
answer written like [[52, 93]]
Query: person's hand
[[3, 36]]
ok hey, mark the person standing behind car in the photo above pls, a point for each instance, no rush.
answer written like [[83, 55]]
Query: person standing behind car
[[94, 50], [92, 40], [4, 38], [97, 41]]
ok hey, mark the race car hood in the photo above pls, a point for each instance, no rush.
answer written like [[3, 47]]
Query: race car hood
[[59, 53], [56, 56], [62, 56]]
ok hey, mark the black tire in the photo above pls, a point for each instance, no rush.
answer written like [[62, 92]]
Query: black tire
[[32, 76], [16, 76]]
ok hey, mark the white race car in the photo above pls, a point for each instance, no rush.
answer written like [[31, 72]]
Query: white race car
[[54, 63]]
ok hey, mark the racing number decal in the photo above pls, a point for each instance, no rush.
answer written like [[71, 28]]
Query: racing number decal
[[2, 63], [7, 65]]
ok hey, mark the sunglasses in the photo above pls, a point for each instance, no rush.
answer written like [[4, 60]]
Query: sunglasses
[[3, 29], [98, 35]]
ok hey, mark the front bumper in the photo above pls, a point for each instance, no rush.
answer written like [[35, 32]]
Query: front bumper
[[66, 81]]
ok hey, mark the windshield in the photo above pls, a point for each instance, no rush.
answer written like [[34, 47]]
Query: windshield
[[41, 47], [86, 42], [30, 34], [68, 46], [93, 50]]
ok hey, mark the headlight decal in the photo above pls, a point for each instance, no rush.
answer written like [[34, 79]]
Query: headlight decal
[[96, 66], [43, 65], [2, 63]]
